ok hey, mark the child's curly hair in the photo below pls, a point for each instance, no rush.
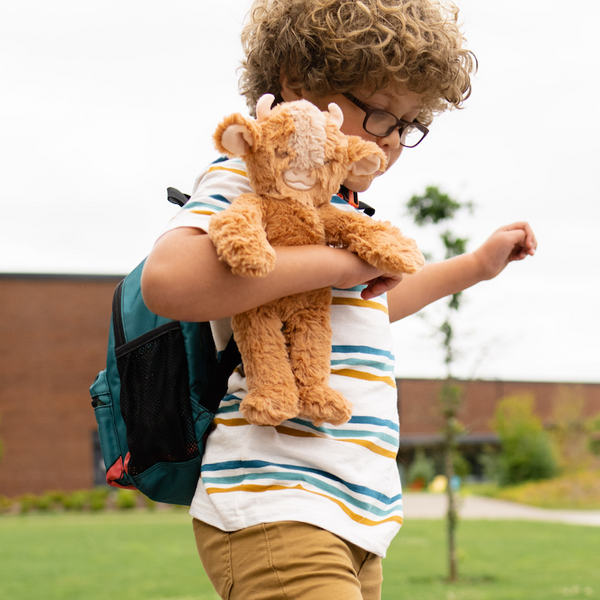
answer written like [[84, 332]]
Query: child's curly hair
[[336, 46]]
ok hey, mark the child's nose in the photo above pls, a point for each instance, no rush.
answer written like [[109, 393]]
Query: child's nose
[[392, 140]]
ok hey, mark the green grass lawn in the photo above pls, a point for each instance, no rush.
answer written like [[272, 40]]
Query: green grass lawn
[[152, 556]]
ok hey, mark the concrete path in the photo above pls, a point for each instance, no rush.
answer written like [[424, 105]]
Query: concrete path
[[434, 506]]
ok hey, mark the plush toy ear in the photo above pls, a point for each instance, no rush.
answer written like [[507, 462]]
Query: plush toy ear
[[337, 116], [237, 139], [366, 158], [236, 135], [366, 165]]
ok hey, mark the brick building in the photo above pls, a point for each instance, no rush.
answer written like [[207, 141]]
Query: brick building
[[53, 335]]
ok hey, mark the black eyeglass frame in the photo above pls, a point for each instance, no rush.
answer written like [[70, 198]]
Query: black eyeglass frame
[[400, 124]]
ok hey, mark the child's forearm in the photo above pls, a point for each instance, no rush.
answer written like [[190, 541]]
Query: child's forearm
[[184, 280], [434, 281]]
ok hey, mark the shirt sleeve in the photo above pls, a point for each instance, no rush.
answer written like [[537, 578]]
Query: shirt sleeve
[[215, 189]]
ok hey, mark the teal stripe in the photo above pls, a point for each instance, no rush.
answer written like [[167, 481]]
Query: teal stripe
[[363, 363], [220, 198], [304, 478], [230, 408], [376, 421], [198, 204], [350, 433], [261, 464], [362, 350], [356, 288]]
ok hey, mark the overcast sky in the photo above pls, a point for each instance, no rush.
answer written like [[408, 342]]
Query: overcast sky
[[106, 104]]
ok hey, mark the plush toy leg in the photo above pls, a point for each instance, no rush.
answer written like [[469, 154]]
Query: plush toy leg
[[272, 393], [309, 339]]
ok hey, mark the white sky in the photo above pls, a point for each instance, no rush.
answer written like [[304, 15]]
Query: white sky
[[106, 104]]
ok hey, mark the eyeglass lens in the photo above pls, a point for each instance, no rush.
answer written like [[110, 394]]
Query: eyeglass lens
[[379, 123]]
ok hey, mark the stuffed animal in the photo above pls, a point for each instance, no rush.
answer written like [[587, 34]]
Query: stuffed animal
[[296, 159]]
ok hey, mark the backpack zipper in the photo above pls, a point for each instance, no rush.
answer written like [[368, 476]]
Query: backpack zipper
[[118, 330]]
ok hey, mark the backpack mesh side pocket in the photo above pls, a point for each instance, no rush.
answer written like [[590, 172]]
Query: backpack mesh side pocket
[[155, 401]]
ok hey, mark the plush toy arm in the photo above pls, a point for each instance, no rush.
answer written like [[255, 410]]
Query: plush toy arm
[[377, 242], [240, 238]]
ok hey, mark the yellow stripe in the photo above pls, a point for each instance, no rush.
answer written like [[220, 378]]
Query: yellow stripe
[[236, 171], [364, 443], [362, 375], [283, 430], [360, 302], [230, 422], [203, 212], [273, 488]]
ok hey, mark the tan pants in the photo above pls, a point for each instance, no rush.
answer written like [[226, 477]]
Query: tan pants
[[286, 561]]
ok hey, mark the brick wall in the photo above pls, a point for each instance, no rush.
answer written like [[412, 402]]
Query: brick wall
[[53, 335]]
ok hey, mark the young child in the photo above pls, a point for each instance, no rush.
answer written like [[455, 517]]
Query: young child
[[298, 511]]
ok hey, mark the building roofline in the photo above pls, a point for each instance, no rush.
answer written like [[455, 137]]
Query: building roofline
[[501, 381], [62, 276]]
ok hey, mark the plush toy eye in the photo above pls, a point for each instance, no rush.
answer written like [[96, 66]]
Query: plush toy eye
[[280, 154]]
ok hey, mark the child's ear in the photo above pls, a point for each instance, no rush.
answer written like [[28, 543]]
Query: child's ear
[[235, 135]]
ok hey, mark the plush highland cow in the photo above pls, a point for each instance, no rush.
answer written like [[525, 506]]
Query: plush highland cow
[[296, 159]]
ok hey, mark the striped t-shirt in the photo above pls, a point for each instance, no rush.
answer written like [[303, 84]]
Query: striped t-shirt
[[341, 478]]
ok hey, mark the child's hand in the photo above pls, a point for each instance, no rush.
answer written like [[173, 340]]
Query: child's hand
[[355, 271], [507, 244], [380, 285]]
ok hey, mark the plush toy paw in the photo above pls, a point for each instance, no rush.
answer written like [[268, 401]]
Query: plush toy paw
[[324, 405], [249, 255], [391, 252], [252, 265], [269, 407]]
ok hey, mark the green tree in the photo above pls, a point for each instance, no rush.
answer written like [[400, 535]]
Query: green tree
[[436, 208], [527, 451]]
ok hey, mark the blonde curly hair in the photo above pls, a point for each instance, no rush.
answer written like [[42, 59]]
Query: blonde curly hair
[[337, 46]]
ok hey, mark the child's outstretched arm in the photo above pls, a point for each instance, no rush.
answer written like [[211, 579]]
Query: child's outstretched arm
[[184, 280], [436, 280]]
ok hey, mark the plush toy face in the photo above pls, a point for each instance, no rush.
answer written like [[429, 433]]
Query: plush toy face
[[296, 151]]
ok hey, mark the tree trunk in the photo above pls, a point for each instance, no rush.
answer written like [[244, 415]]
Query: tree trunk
[[452, 512]]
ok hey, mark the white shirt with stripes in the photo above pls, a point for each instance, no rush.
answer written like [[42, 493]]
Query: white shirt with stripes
[[341, 478]]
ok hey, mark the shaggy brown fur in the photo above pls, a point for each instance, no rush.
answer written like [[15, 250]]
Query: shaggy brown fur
[[286, 344]]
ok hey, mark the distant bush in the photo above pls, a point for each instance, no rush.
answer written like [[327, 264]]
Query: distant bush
[[421, 471], [579, 490], [78, 500], [126, 499], [527, 451], [27, 502], [5, 504]]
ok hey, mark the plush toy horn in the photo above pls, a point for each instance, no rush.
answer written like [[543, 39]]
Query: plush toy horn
[[337, 116], [263, 107]]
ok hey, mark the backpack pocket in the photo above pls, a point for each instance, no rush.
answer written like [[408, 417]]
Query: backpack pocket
[[102, 403], [156, 409]]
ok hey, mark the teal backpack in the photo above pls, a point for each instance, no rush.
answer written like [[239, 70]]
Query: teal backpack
[[155, 401]]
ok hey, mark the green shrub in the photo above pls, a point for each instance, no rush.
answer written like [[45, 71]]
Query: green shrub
[[98, 498], [462, 467], [527, 451], [58, 497], [126, 499], [27, 502], [5, 504], [44, 502], [77, 500], [421, 471]]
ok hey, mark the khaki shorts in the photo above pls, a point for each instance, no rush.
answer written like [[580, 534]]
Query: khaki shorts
[[286, 561]]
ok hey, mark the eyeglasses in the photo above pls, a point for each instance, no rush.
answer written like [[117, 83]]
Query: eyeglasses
[[381, 123]]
